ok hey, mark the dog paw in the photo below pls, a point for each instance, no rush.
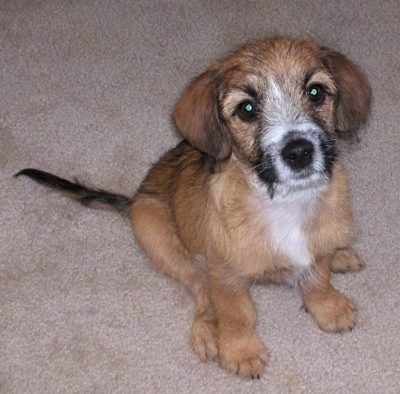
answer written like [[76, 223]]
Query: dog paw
[[345, 260], [333, 313], [244, 356], [203, 336]]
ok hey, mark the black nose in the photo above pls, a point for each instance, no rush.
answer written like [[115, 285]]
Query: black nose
[[298, 153]]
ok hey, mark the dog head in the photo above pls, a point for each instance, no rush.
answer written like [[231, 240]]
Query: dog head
[[277, 105]]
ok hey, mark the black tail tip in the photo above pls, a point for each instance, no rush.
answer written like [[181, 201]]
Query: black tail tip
[[26, 171], [16, 175]]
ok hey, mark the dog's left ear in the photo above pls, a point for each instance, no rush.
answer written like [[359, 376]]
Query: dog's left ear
[[197, 116], [354, 97]]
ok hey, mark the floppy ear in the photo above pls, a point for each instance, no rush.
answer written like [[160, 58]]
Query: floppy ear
[[354, 93], [197, 116]]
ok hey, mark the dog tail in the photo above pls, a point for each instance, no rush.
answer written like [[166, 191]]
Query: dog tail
[[89, 197]]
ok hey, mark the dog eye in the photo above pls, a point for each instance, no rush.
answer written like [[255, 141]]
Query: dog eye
[[247, 110], [316, 94]]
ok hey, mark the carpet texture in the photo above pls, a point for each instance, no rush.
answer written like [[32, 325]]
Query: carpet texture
[[87, 89]]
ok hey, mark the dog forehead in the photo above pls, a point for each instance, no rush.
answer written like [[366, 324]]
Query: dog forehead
[[273, 73], [265, 65]]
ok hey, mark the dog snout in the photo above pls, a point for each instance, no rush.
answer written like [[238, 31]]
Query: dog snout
[[298, 154]]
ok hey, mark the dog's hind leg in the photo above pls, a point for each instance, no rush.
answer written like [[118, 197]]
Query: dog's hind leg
[[346, 260], [331, 310], [156, 234]]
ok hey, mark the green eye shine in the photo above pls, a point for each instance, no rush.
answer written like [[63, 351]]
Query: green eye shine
[[247, 110], [248, 107]]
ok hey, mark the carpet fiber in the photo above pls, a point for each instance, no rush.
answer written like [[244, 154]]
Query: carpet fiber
[[87, 89]]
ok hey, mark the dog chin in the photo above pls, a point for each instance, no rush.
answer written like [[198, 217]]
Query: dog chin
[[310, 182], [284, 189]]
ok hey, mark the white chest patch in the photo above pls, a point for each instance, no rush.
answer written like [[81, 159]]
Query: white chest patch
[[287, 216]]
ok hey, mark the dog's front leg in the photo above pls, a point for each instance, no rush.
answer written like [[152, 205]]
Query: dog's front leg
[[331, 310], [239, 349]]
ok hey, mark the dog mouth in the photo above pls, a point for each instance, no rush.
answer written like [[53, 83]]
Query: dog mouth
[[297, 161]]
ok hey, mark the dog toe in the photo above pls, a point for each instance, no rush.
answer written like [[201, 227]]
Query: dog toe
[[335, 313], [346, 260], [245, 357], [203, 339]]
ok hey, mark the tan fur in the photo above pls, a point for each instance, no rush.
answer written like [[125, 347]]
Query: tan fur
[[202, 219]]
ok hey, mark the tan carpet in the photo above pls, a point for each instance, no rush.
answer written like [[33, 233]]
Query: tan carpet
[[86, 89]]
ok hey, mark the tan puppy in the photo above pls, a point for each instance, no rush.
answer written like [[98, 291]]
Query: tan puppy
[[255, 192]]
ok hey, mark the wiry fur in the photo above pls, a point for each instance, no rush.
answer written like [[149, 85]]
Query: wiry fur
[[260, 197], [89, 197]]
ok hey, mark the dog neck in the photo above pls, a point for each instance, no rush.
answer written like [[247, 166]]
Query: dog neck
[[287, 214]]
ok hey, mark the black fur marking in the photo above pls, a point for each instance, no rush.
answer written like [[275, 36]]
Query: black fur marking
[[307, 77], [88, 197], [329, 154], [266, 172], [248, 89]]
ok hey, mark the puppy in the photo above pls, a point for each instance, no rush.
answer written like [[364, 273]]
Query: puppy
[[255, 192]]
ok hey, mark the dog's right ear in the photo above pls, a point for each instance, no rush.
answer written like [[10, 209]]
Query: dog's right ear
[[197, 116]]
